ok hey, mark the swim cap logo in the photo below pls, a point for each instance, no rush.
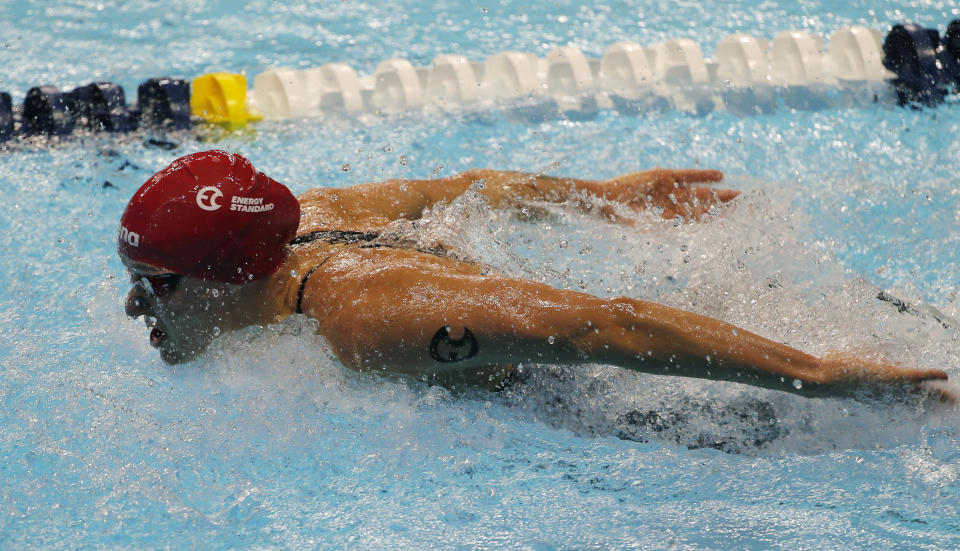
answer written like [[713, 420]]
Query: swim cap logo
[[129, 237], [207, 198], [249, 204]]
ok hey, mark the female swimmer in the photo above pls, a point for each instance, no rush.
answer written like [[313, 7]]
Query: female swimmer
[[213, 246]]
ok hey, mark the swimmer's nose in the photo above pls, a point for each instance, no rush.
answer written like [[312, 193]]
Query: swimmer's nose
[[135, 304]]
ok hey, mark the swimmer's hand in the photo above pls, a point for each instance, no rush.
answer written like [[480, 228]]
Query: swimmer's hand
[[847, 374], [670, 190]]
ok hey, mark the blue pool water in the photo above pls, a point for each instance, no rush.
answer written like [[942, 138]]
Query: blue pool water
[[268, 442]]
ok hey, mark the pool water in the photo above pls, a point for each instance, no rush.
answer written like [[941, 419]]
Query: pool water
[[268, 442]]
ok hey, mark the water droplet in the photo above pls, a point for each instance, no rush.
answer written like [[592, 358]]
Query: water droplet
[[387, 149], [797, 384], [563, 243], [586, 250], [346, 167], [550, 339], [403, 160], [216, 331], [215, 292], [734, 332]]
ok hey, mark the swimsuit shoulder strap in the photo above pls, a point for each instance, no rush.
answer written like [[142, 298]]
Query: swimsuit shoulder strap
[[332, 237], [303, 284]]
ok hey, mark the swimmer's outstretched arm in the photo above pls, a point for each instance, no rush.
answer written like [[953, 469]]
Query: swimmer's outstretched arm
[[371, 206], [409, 316]]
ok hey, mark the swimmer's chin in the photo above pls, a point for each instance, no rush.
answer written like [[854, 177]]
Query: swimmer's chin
[[175, 356]]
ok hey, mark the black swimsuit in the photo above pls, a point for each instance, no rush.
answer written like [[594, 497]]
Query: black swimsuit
[[332, 237], [335, 237], [346, 237]]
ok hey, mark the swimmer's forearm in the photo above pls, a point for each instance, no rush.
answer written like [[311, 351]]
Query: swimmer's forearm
[[508, 189], [686, 344], [661, 340]]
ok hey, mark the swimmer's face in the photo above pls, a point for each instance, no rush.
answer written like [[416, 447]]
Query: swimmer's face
[[184, 314]]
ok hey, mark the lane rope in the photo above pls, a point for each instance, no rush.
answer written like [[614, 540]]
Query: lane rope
[[911, 65]]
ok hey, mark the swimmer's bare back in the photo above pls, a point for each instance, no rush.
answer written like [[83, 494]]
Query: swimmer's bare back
[[408, 311]]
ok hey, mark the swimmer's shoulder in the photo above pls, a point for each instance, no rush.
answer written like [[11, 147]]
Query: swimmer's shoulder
[[332, 274]]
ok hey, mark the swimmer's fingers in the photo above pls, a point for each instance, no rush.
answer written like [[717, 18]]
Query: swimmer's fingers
[[707, 194], [842, 367], [940, 390], [920, 375], [669, 190], [686, 176], [844, 373], [639, 184], [689, 203]]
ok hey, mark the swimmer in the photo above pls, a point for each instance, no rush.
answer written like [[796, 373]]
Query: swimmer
[[213, 246]]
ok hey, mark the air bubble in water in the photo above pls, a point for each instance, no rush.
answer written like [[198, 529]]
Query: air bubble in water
[[346, 167], [563, 243], [550, 339], [797, 384], [216, 331]]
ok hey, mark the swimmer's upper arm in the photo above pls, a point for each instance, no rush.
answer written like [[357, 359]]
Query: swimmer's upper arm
[[362, 207]]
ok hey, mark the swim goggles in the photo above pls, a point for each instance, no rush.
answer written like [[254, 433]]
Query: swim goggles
[[158, 285]]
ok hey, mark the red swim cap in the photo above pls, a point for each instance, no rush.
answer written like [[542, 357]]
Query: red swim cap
[[212, 216]]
